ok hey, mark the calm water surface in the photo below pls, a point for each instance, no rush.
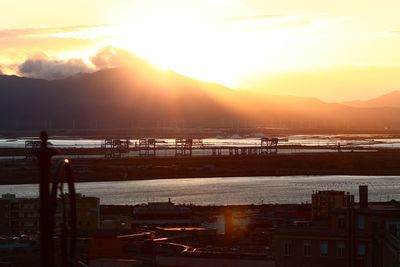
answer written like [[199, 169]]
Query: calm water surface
[[231, 190]]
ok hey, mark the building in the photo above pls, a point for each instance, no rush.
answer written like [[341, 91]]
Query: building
[[177, 255], [323, 202], [341, 233], [18, 215], [115, 263], [87, 213], [162, 214], [19, 251], [21, 215], [120, 249], [187, 234], [122, 223]]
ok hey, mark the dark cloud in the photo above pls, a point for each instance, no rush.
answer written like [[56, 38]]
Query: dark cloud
[[110, 57], [42, 67]]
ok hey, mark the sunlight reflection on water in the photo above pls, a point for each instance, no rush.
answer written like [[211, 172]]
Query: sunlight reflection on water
[[230, 190]]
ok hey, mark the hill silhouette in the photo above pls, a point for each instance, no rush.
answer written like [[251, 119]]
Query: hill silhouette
[[110, 98], [147, 97], [391, 100]]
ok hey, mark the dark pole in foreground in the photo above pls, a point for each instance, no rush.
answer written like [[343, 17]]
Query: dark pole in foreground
[[72, 212], [44, 154]]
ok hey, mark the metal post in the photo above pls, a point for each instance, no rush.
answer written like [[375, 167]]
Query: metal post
[[72, 212], [44, 154]]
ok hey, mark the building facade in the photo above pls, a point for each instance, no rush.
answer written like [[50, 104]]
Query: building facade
[[21, 215], [341, 233]]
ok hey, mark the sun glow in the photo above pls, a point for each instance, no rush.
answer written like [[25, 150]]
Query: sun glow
[[238, 43], [199, 46]]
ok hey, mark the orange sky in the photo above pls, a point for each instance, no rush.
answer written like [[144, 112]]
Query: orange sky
[[334, 50]]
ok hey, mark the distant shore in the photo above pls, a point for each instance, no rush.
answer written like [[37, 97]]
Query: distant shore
[[193, 132], [25, 171]]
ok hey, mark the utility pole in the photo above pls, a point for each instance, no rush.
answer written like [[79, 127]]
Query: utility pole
[[44, 155], [350, 232]]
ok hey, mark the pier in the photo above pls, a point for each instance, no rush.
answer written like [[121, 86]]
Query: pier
[[184, 147]]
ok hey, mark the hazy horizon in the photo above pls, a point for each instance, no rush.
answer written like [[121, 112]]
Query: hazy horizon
[[332, 50]]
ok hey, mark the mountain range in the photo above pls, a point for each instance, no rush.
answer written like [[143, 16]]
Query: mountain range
[[147, 97], [390, 100]]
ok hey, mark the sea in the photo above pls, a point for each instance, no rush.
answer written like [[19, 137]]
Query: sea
[[226, 190], [230, 190]]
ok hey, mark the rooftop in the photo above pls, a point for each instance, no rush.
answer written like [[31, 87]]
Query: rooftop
[[331, 193], [183, 229]]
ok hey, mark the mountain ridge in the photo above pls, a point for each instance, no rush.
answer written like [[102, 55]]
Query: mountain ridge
[[391, 99], [151, 98]]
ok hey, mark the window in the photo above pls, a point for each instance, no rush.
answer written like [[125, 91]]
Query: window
[[361, 222], [361, 249], [323, 249], [340, 249], [288, 248], [341, 222], [393, 229], [307, 249]]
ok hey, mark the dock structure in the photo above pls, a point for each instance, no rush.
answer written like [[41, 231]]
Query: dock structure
[[183, 147], [186, 147], [30, 145], [216, 151], [114, 148], [234, 151], [147, 147], [269, 145]]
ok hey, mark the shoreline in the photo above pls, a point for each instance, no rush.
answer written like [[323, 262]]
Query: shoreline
[[193, 132], [131, 169]]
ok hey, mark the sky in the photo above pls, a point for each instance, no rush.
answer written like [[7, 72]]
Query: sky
[[335, 50]]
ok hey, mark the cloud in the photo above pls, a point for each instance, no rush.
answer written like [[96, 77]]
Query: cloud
[[53, 31], [110, 57], [379, 34], [269, 22], [1, 72], [42, 67], [255, 17], [272, 22]]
